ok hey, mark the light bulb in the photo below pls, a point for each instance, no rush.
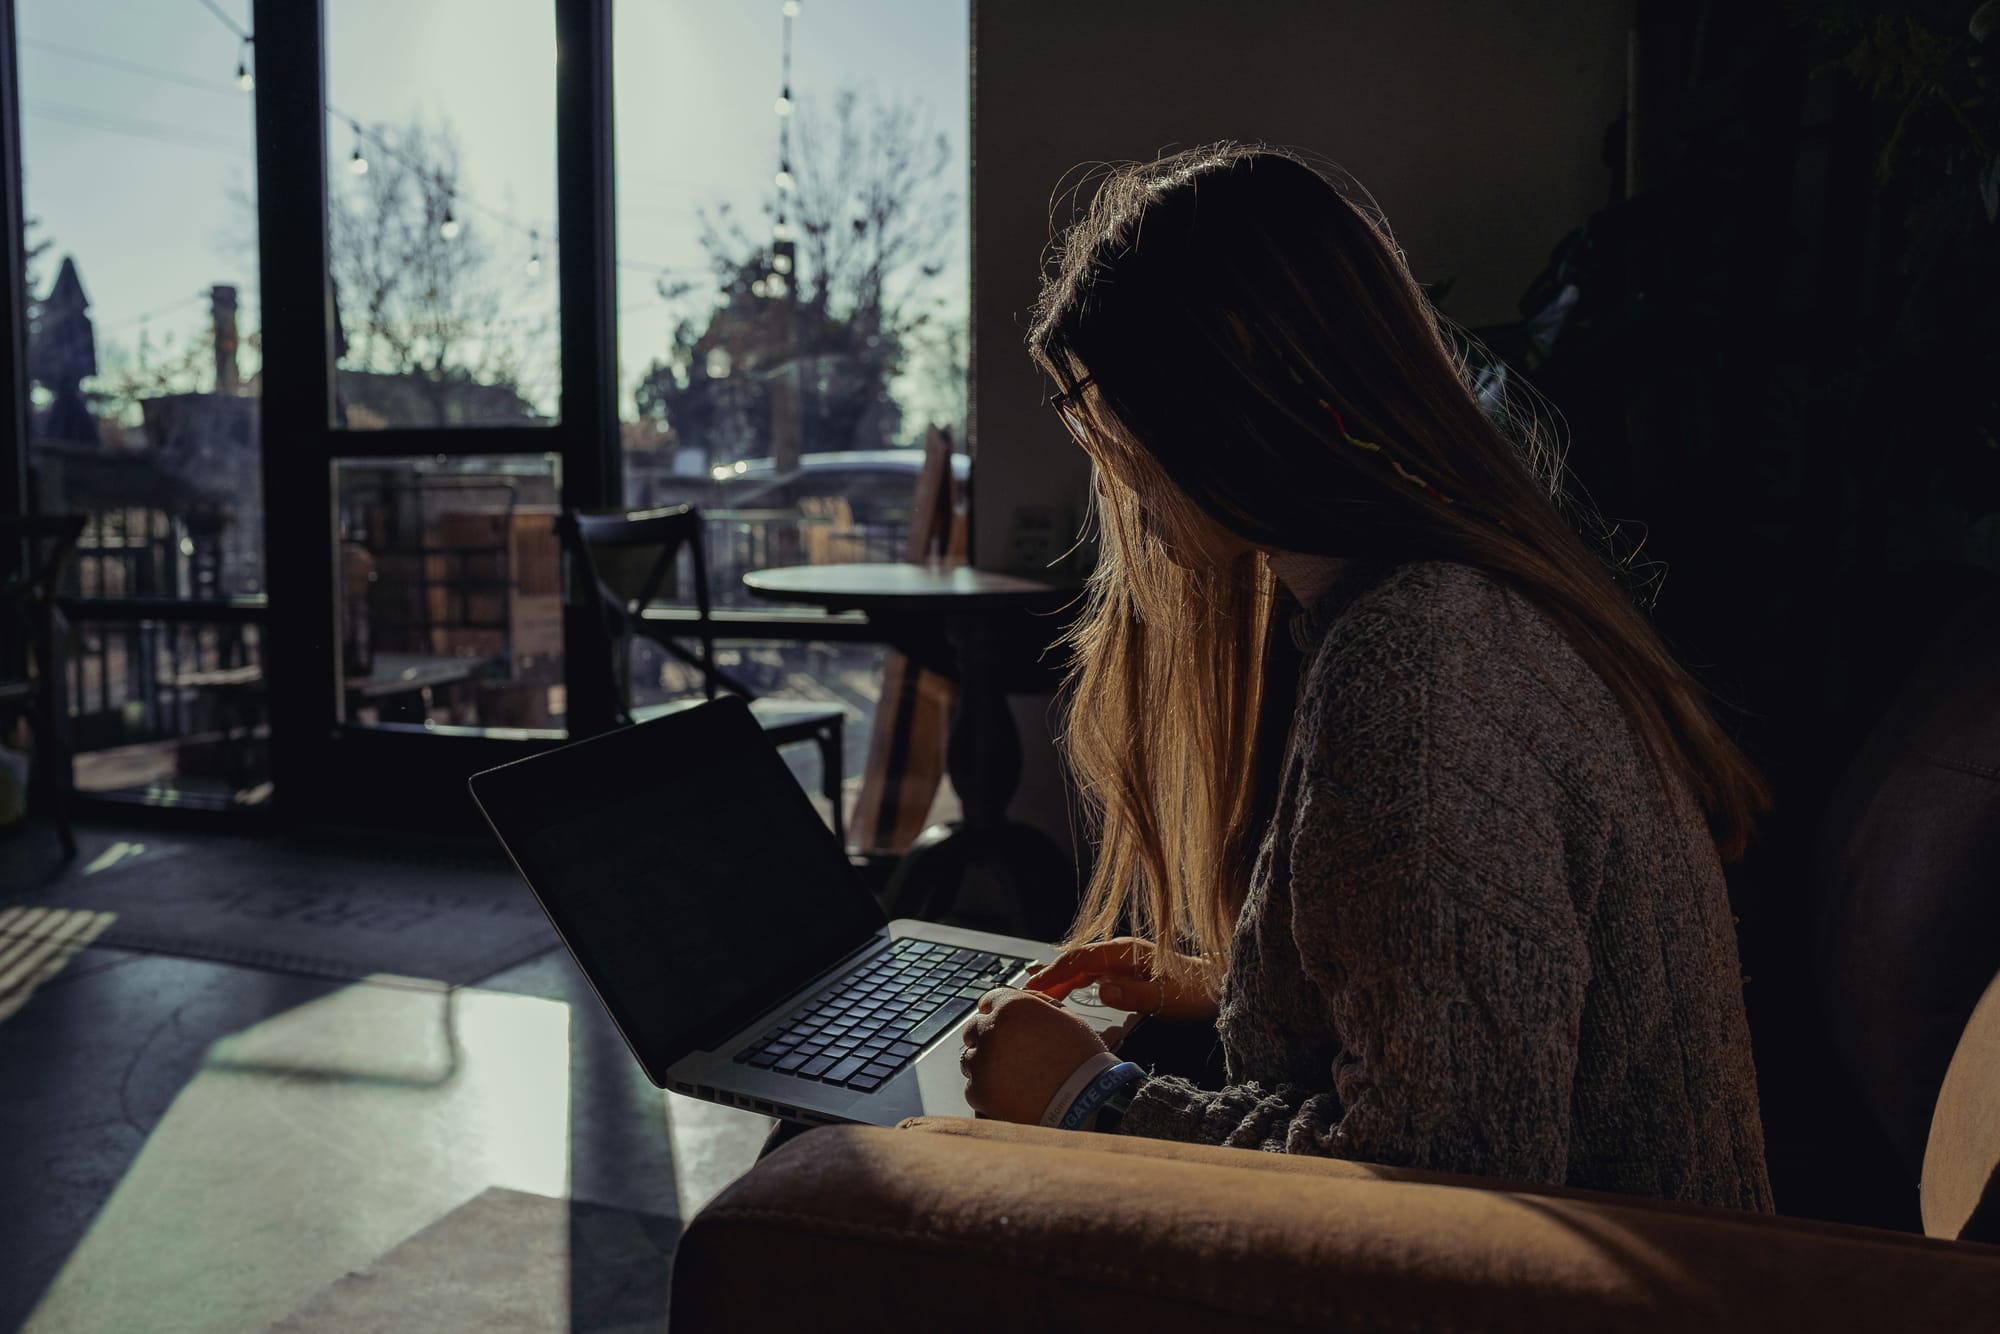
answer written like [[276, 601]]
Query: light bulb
[[773, 285], [791, 9], [784, 181], [534, 265], [358, 164], [757, 287], [244, 80], [783, 106], [448, 229], [782, 263]]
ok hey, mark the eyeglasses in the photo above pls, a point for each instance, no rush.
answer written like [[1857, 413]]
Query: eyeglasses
[[1060, 402]]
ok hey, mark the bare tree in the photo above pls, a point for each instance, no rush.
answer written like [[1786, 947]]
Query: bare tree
[[414, 275], [871, 216]]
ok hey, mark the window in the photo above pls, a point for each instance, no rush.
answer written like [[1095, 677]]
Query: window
[[794, 291], [138, 174], [441, 212]]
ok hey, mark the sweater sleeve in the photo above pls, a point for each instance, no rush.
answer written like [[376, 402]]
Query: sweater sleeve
[[1430, 907]]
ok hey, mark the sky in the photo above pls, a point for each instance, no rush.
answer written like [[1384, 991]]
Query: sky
[[138, 158]]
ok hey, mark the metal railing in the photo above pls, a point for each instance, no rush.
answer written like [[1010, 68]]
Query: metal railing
[[150, 667], [739, 541]]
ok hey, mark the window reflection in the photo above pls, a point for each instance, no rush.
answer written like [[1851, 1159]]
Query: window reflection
[[450, 592]]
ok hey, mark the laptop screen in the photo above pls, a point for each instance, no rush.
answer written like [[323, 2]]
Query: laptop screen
[[686, 869]]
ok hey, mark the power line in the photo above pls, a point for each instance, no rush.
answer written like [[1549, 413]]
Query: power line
[[95, 120], [225, 20], [148, 130], [132, 67], [501, 216], [132, 321]]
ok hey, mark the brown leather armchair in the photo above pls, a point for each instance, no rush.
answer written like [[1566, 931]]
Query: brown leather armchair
[[943, 1223]]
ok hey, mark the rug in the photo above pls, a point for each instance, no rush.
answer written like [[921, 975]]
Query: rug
[[315, 910], [508, 1262]]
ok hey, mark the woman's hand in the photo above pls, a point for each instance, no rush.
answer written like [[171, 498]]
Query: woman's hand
[[1019, 1049], [1120, 969]]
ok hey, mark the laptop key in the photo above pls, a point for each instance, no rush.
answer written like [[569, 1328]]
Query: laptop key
[[792, 1062], [846, 1070], [864, 1083], [763, 1059], [903, 1051], [817, 1066], [928, 1031], [878, 1070]]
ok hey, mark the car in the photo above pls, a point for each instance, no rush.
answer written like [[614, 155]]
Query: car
[[878, 484]]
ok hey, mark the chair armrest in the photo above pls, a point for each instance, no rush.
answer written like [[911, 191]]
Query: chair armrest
[[861, 1228]]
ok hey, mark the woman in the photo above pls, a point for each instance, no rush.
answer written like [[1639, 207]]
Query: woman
[[1391, 780]]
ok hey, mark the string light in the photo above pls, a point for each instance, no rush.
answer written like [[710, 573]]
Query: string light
[[534, 254], [449, 228], [244, 79], [773, 283]]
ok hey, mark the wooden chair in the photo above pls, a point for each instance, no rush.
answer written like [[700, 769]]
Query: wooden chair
[[28, 618], [626, 561]]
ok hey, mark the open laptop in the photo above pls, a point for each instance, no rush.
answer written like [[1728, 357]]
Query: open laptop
[[725, 931]]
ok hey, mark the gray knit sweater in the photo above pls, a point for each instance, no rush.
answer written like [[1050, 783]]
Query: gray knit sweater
[[1479, 936]]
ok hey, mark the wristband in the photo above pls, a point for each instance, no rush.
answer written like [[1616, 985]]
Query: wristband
[[1072, 1087], [1100, 1091], [1114, 1108]]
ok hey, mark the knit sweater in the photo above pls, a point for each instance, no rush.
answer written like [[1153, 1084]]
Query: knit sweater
[[1480, 935]]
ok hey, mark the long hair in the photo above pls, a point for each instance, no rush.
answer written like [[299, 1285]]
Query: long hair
[[1242, 320]]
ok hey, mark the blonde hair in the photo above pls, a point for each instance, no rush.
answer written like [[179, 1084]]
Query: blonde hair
[[1166, 690], [1230, 356]]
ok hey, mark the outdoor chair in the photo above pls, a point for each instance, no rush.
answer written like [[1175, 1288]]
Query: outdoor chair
[[627, 561], [29, 683]]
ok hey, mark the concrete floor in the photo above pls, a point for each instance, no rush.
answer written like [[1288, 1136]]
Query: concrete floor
[[203, 1146]]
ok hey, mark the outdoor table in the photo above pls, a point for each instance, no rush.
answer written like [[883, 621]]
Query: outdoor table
[[402, 685], [992, 634]]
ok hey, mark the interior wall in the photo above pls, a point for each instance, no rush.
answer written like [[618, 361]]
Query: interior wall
[[1478, 128]]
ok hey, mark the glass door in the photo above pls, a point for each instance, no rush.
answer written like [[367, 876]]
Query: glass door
[[438, 363], [142, 367]]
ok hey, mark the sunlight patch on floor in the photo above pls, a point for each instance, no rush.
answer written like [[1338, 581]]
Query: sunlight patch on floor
[[312, 1143], [35, 943]]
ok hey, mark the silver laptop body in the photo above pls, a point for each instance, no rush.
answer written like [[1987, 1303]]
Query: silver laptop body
[[712, 910]]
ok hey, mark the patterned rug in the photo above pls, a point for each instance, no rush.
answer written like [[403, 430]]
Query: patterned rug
[[310, 909]]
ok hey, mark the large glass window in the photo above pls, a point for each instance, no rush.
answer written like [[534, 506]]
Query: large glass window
[[441, 165], [794, 290], [144, 358]]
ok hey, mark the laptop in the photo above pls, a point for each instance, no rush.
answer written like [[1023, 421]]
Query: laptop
[[724, 930]]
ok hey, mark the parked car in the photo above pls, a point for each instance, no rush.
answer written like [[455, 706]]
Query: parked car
[[879, 484]]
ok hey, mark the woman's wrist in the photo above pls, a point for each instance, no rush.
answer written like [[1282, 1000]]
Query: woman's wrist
[[1074, 1087], [1100, 1090]]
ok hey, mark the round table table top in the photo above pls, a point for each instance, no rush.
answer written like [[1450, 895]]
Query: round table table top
[[893, 587]]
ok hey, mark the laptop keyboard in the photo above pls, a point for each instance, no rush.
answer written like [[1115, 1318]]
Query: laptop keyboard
[[871, 1023]]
